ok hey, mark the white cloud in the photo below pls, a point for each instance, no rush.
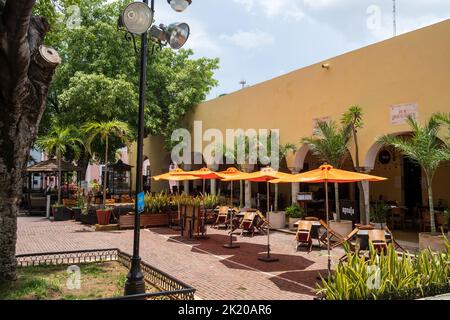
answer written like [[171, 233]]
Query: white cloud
[[274, 8], [249, 39]]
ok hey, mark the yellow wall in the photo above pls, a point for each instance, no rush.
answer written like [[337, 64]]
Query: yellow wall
[[411, 68]]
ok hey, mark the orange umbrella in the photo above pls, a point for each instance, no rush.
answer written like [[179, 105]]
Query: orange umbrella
[[231, 174], [203, 173], [325, 174], [174, 176], [266, 175]]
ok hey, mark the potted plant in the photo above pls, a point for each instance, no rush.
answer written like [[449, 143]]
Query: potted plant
[[378, 215], [295, 212], [60, 213], [104, 216]]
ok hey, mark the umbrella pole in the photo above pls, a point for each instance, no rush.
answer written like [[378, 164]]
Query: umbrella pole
[[268, 258], [328, 235], [231, 245]]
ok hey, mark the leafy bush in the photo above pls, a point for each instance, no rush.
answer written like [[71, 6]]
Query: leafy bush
[[157, 203], [405, 277], [210, 201], [295, 211], [378, 212]]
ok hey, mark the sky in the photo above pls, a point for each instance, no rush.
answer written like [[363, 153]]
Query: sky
[[257, 40]]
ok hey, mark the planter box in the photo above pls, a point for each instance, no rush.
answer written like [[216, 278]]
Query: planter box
[[147, 220], [436, 242], [277, 219], [343, 227], [61, 214], [76, 214], [89, 219], [293, 221]]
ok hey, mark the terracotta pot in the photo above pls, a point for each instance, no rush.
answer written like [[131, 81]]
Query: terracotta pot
[[103, 217]]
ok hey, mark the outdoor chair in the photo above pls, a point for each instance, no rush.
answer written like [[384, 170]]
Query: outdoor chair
[[303, 235], [248, 223], [332, 234], [222, 217], [262, 223], [378, 240], [425, 222], [349, 239], [390, 238], [398, 217]]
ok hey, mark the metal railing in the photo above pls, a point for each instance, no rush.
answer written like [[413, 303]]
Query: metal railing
[[169, 286]]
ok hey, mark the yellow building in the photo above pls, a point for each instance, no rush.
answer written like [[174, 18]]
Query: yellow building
[[408, 74]]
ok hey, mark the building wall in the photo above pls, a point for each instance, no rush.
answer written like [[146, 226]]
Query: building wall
[[409, 69]]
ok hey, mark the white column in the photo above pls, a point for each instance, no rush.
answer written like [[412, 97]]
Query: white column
[[248, 187], [365, 216], [213, 187], [295, 186], [213, 167]]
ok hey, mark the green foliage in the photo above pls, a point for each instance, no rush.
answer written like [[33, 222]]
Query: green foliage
[[60, 140], [425, 148], [210, 201], [379, 212], [405, 277], [295, 211], [330, 143], [157, 203]]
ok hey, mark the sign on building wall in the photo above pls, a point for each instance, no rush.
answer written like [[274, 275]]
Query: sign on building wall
[[401, 112]]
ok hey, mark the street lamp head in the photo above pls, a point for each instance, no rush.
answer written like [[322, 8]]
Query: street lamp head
[[179, 5], [137, 17], [177, 34]]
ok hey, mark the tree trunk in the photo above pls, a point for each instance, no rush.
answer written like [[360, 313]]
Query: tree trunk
[[59, 178], [336, 196], [83, 163], [106, 173], [26, 70], [431, 202]]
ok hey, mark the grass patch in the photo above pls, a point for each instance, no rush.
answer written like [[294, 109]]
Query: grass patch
[[97, 280]]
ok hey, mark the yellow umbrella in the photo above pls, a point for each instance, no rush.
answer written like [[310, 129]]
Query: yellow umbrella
[[232, 174], [326, 174], [203, 173], [265, 175], [174, 176]]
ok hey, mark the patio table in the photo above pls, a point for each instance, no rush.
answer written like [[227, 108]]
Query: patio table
[[363, 238]]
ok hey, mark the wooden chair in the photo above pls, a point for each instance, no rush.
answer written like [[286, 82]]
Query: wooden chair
[[390, 237], [398, 216], [262, 224], [425, 221], [334, 236], [378, 240], [222, 217], [69, 203], [347, 239], [303, 235], [248, 223]]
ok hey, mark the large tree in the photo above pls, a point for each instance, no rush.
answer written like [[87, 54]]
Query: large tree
[[26, 70]]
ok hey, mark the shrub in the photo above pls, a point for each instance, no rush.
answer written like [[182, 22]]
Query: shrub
[[405, 277], [295, 211], [210, 201], [379, 212]]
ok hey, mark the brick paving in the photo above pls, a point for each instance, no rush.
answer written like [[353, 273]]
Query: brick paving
[[216, 272]]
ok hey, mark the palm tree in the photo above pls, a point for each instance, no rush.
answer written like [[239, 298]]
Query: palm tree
[[424, 147], [353, 118], [330, 144], [57, 142], [104, 130]]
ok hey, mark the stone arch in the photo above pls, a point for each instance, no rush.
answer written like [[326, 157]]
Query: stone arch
[[300, 156], [372, 152]]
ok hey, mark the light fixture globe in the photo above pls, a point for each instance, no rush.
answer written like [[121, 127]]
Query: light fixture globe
[[137, 17], [177, 34], [179, 5]]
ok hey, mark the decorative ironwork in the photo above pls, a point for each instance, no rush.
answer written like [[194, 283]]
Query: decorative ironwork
[[170, 287]]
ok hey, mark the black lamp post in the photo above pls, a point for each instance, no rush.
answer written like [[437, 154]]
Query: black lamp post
[[137, 19]]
